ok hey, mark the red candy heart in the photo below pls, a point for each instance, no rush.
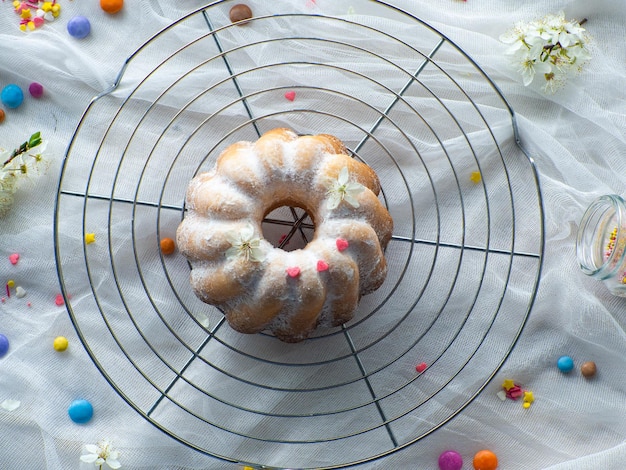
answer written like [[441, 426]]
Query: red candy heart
[[421, 367], [342, 244], [14, 258], [290, 95], [322, 266], [294, 271]]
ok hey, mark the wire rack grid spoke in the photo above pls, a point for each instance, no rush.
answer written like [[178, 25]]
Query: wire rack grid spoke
[[464, 260]]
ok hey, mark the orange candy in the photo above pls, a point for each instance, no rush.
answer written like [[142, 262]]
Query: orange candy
[[167, 246], [111, 6], [485, 460]]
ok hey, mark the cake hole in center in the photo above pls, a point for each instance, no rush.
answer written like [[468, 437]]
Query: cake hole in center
[[288, 228]]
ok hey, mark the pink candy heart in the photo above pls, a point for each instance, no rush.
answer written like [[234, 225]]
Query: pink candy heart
[[14, 258], [294, 271], [322, 266], [342, 244], [290, 95]]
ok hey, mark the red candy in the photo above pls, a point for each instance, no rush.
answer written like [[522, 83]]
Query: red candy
[[294, 271], [322, 266], [342, 244]]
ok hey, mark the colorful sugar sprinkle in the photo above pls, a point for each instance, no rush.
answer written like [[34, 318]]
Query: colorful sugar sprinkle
[[290, 95], [475, 177], [33, 14], [293, 271], [90, 238], [322, 266], [14, 258], [342, 244], [421, 367], [58, 300]]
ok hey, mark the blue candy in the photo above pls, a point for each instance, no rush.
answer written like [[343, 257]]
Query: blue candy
[[80, 411], [4, 345], [565, 363], [79, 27], [12, 96]]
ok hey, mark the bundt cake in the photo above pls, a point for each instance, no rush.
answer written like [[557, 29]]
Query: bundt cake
[[259, 286]]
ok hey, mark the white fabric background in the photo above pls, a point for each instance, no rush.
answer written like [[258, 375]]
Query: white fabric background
[[577, 138]]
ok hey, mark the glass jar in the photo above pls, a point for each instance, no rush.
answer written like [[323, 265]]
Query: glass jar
[[601, 242]]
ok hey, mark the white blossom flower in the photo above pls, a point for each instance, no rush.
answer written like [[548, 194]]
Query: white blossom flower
[[25, 161], [342, 189], [548, 48], [245, 244], [102, 454]]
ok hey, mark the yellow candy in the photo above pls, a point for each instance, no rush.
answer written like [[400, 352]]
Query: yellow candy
[[90, 238], [529, 397], [47, 6], [31, 25], [23, 27], [60, 343], [16, 4], [508, 384], [475, 177], [11, 283], [526, 405], [56, 8]]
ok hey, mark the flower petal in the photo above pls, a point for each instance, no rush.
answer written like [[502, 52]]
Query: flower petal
[[233, 252], [351, 200], [89, 458], [333, 200], [92, 448], [344, 176], [114, 463], [257, 254], [247, 232], [11, 405]]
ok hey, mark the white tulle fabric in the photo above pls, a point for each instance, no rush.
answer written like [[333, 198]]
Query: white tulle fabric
[[576, 136]]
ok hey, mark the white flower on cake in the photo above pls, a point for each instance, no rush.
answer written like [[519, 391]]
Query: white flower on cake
[[245, 244], [549, 48], [102, 454], [342, 189]]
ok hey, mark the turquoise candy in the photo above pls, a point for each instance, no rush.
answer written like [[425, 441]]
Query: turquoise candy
[[12, 96], [80, 411]]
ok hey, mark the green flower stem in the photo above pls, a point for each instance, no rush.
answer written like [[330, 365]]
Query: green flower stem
[[34, 141]]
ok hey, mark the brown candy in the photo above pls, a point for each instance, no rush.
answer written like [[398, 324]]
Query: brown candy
[[588, 369], [240, 13]]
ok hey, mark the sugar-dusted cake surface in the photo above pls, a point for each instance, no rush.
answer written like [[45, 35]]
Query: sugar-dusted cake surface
[[259, 286]]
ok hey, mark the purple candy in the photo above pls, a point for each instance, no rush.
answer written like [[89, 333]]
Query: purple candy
[[79, 27], [36, 89], [4, 345], [450, 460]]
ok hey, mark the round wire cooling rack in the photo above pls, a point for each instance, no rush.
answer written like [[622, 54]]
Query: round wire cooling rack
[[464, 261]]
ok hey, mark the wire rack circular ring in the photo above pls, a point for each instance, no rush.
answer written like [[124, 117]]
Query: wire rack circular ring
[[464, 260]]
